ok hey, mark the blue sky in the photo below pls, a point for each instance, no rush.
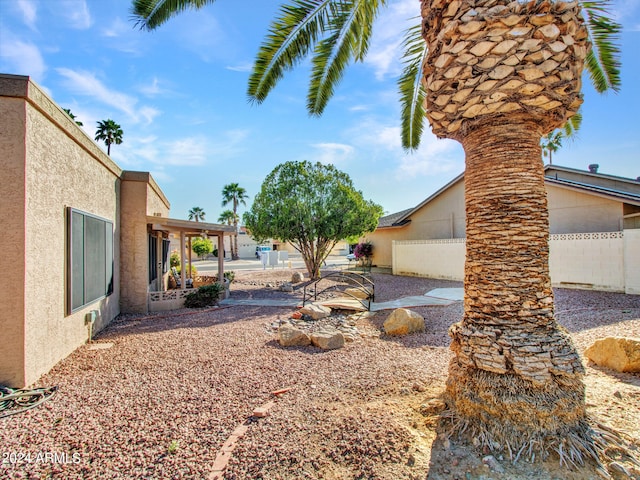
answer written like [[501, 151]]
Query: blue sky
[[179, 94]]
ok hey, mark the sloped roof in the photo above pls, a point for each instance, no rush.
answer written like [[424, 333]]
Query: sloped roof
[[394, 220], [622, 189]]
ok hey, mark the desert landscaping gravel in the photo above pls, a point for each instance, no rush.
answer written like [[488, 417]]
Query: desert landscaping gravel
[[161, 401]]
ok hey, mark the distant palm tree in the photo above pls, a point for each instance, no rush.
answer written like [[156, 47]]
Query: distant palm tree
[[197, 214], [552, 142], [73, 117], [227, 217], [234, 194], [109, 132]]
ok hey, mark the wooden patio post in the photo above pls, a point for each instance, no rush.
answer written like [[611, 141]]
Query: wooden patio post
[[221, 257]]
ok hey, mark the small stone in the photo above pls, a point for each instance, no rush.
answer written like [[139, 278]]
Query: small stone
[[297, 277], [493, 464]]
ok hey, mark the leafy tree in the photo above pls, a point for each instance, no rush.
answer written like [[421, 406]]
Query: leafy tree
[[197, 214], [234, 194], [228, 217], [311, 206], [202, 246], [73, 117], [109, 132], [516, 380]]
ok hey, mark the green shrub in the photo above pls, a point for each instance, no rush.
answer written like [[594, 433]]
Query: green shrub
[[204, 296], [174, 259], [202, 246], [230, 275], [194, 270]]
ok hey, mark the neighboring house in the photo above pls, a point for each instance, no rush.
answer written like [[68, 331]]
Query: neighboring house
[[579, 202], [82, 239]]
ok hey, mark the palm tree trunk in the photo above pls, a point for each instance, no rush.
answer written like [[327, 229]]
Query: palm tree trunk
[[516, 378], [234, 242]]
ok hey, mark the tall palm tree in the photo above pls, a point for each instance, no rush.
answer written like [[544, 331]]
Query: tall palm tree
[[109, 132], [73, 117], [495, 75], [197, 214], [228, 217], [234, 194]]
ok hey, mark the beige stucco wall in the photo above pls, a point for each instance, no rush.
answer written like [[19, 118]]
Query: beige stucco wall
[[140, 197], [444, 217], [62, 168], [571, 212], [12, 241]]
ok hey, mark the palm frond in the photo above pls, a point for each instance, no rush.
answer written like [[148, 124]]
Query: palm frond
[[150, 14], [571, 127], [603, 60], [412, 93], [350, 25], [290, 38]]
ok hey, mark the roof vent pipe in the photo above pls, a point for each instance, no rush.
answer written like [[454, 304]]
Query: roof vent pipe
[[593, 168]]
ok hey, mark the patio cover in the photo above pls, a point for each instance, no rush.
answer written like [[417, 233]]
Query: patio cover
[[187, 230]]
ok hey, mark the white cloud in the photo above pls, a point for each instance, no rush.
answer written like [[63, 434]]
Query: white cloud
[[385, 51], [21, 58], [76, 13], [29, 12], [117, 28], [148, 113], [434, 156], [153, 89], [85, 83], [242, 67], [186, 152], [383, 142], [332, 153]]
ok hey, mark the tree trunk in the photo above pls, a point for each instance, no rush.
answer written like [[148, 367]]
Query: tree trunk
[[498, 75], [234, 242], [516, 378]]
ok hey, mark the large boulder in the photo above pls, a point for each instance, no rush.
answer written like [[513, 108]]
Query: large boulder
[[618, 353], [328, 339], [290, 336], [316, 311], [402, 322]]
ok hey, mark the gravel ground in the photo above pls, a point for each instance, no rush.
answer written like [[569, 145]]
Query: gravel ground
[[164, 398]]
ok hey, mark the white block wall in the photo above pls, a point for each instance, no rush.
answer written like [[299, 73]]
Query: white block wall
[[632, 261], [608, 261], [587, 260], [429, 258]]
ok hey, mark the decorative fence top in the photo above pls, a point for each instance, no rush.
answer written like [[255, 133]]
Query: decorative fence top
[[557, 236], [587, 236]]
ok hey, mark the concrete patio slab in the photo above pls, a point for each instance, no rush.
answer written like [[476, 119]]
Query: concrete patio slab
[[456, 294]]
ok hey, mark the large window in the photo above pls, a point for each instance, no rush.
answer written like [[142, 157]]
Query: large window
[[89, 258]]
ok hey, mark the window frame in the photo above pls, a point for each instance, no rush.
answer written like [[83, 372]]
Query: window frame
[[106, 247]]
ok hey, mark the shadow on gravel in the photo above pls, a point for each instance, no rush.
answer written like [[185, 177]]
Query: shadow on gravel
[[187, 318], [629, 378], [308, 350]]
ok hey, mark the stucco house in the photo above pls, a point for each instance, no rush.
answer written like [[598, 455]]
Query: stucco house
[[83, 239], [587, 203]]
